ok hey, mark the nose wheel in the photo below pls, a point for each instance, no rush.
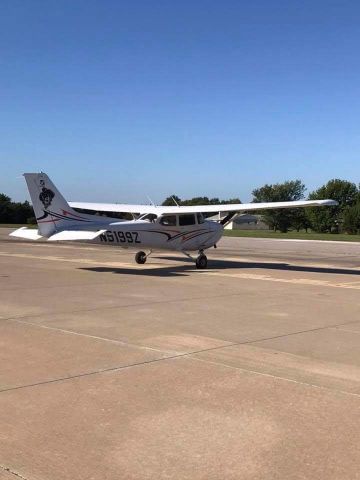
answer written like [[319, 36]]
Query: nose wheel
[[140, 258], [201, 261]]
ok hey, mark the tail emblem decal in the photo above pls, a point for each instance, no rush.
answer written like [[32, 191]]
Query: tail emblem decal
[[46, 196]]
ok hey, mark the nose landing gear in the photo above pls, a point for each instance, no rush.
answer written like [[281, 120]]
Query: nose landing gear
[[141, 257], [201, 261]]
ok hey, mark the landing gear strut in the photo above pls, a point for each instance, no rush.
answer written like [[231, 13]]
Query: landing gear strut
[[201, 261]]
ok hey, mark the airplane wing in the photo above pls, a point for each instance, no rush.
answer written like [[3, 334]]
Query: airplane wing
[[230, 207]]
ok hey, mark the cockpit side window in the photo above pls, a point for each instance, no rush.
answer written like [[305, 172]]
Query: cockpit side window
[[187, 219], [200, 218], [150, 217], [168, 220]]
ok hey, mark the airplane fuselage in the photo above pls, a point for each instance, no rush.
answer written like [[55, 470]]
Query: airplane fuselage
[[148, 235]]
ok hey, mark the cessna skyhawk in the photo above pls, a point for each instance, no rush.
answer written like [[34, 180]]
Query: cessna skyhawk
[[176, 228]]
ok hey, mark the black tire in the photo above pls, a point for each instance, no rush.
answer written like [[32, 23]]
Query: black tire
[[201, 262], [140, 258]]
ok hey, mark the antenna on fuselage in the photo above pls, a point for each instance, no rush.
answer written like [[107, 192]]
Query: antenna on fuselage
[[152, 203], [176, 203]]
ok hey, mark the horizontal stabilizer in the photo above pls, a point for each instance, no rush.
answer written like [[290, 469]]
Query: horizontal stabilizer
[[75, 235], [24, 232]]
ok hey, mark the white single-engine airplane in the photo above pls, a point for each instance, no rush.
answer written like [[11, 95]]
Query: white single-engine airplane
[[181, 229]]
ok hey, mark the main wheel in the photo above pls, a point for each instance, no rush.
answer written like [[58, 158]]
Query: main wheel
[[201, 262], [140, 257]]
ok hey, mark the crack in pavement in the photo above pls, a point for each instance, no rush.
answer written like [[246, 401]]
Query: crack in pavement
[[8, 470]]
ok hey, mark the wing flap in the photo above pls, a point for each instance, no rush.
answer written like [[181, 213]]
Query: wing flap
[[114, 207], [75, 235]]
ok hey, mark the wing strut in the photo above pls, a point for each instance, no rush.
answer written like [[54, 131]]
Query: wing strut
[[226, 220]]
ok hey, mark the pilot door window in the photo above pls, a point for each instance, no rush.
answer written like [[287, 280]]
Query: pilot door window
[[168, 221]]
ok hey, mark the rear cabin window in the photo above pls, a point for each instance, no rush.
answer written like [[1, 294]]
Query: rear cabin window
[[168, 220], [187, 220]]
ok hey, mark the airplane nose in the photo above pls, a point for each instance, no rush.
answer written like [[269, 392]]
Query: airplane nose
[[216, 227], [217, 231]]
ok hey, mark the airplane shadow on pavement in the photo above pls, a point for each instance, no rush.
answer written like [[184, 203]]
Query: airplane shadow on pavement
[[187, 267]]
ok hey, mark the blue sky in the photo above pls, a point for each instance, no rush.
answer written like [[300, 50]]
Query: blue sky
[[117, 100]]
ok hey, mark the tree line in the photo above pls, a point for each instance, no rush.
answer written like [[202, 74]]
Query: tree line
[[343, 218], [15, 212]]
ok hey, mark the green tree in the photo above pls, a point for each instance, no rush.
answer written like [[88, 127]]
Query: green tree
[[231, 200], [299, 219], [5, 206], [351, 221], [15, 212], [330, 219], [21, 212], [281, 219], [197, 201], [169, 201]]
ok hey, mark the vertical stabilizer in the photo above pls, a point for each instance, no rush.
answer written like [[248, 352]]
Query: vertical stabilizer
[[53, 213]]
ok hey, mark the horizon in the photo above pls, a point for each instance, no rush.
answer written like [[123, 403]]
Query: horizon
[[117, 101]]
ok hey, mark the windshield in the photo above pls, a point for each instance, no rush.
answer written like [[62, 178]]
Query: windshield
[[149, 217]]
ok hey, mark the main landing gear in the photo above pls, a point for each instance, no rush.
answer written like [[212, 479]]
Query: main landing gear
[[200, 261], [141, 257]]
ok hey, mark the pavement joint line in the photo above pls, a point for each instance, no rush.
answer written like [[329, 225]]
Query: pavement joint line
[[144, 304], [276, 377], [229, 344], [174, 357], [8, 470], [191, 355], [95, 337], [171, 352], [94, 372]]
